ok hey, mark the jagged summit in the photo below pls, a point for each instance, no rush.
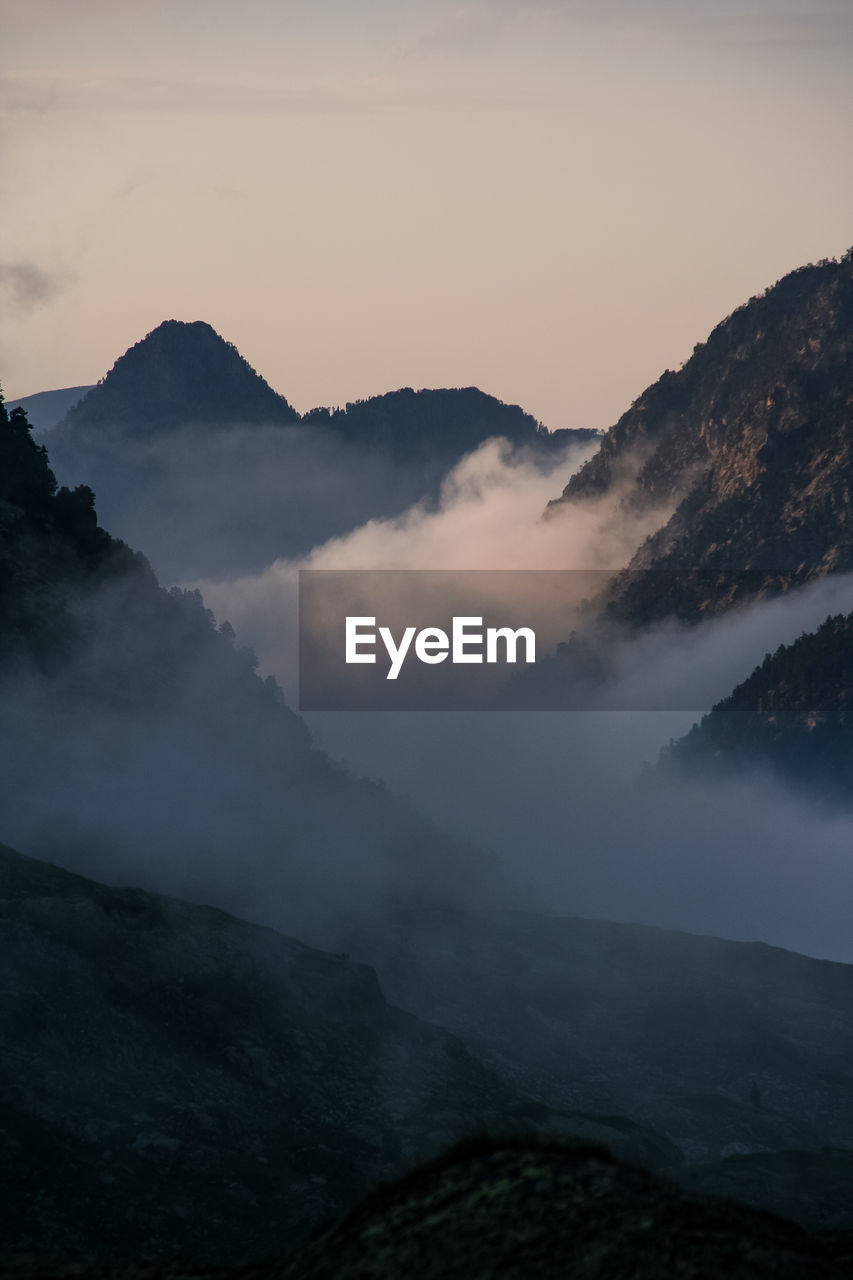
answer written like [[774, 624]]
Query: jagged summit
[[748, 445], [181, 372]]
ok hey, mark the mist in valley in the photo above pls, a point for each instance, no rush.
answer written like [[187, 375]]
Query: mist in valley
[[565, 802]]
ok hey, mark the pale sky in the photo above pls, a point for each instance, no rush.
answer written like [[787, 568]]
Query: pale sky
[[553, 200]]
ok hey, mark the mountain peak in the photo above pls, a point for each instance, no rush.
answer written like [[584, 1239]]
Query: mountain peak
[[747, 448], [181, 372]]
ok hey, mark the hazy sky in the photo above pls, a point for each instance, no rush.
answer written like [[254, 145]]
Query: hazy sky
[[554, 200]]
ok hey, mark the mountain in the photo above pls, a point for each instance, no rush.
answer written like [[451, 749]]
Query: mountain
[[521, 1210], [179, 373], [445, 424], [46, 408], [745, 452], [187, 375], [792, 716], [727, 1048], [155, 1053], [195, 458], [139, 742], [177, 1082]]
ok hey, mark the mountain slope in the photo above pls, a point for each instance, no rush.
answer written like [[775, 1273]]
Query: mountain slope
[[793, 715], [178, 1082], [527, 1211], [749, 447], [521, 1209], [725, 1047], [139, 742]]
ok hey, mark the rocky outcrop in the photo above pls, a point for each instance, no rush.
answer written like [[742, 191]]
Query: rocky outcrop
[[749, 446], [523, 1211]]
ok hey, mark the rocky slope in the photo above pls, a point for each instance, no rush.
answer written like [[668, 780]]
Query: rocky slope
[[521, 1211], [178, 1082], [814, 1188], [726, 1048], [748, 446]]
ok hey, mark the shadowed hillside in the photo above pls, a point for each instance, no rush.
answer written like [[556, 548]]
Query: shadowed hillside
[[139, 743], [178, 1082], [793, 716]]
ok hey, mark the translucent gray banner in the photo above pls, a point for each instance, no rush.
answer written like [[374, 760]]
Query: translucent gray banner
[[538, 640]]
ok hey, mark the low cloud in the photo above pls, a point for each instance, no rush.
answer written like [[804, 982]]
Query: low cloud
[[560, 798]]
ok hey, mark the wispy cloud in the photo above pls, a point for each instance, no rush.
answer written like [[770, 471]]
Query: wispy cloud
[[99, 90], [25, 286], [476, 26]]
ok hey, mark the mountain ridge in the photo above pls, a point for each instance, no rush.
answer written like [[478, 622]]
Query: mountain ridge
[[184, 373], [791, 716], [749, 443]]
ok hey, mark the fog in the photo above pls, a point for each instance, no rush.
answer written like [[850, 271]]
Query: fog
[[565, 799], [157, 758], [212, 502]]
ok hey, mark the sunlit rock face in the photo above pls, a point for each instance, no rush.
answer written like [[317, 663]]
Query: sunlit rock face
[[750, 440]]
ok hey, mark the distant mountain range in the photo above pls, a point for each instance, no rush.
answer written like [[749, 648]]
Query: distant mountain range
[[185, 374], [749, 446], [196, 458], [46, 408], [137, 725]]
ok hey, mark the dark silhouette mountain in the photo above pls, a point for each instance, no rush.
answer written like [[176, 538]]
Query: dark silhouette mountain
[[793, 715], [697, 1038], [185, 374], [179, 373], [195, 458], [745, 451], [445, 424], [177, 1082]]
